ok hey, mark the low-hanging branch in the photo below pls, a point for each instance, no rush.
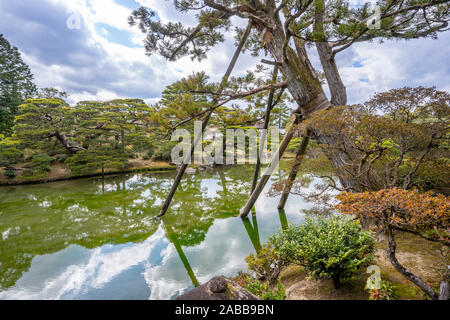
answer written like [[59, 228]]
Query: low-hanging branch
[[237, 96]]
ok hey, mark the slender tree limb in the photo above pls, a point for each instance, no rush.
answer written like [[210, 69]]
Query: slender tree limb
[[233, 97], [269, 108], [298, 160], [390, 252], [209, 112]]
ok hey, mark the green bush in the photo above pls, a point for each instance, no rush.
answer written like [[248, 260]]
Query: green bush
[[42, 161], [263, 290], [329, 248], [294, 144], [139, 145], [266, 263], [149, 154], [10, 173], [39, 168], [91, 161], [34, 174], [9, 155], [164, 153]]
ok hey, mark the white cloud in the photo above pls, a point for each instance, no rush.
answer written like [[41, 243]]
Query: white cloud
[[100, 269], [395, 64], [89, 63]]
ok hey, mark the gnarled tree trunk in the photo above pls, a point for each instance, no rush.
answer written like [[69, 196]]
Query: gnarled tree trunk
[[337, 89], [390, 252], [307, 91], [73, 149]]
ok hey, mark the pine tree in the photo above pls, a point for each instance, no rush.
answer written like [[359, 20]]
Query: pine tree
[[40, 121], [283, 29], [16, 84]]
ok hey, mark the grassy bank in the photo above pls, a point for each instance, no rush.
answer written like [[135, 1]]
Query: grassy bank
[[59, 171]]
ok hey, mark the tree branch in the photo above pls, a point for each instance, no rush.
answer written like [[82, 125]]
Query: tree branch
[[234, 97]]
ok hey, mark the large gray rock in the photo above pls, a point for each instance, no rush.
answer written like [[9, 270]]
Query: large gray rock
[[218, 288]]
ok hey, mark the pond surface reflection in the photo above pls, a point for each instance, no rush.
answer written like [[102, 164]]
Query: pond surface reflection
[[98, 239]]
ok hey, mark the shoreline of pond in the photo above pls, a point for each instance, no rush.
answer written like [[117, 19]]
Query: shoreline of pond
[[168, 167], [159, 166]]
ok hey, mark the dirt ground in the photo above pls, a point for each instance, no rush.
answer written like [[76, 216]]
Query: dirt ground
[[420, 256]]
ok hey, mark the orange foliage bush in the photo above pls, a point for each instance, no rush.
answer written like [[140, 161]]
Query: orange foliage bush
[[423, 214]]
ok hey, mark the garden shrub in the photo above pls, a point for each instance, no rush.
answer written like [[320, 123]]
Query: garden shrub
[[329, 248], [39, 168], [92, 161], [264, 291], [10, 173], [266, 263], [9, 155], [42, 162], [164, 153]]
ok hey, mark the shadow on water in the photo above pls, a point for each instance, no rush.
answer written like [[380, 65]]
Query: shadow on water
[[96, 238]]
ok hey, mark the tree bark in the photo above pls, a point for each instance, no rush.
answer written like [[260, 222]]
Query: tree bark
[[390, 252], [73, 149], [337, 89], [444, 290], [302, 81], [338, 159], [305, 88], [303, 85]]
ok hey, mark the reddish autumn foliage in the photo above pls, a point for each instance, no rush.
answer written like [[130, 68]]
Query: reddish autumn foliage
[[406, 210]]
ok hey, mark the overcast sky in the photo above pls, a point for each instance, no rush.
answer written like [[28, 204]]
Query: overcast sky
[[104, 59]]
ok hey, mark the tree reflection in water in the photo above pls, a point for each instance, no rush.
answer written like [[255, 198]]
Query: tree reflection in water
[[41, 220]]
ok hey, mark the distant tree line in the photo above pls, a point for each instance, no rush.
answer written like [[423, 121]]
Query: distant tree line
[[39, 128]]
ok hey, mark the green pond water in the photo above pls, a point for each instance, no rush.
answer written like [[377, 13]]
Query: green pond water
[[98, 239]]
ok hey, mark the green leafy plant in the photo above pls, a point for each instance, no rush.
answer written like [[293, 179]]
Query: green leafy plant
[[164, 153], [329, 248], [264, 291], [266, 263], [91, 161], [10, 173], [9, 151], [42, 161], [39, 169], [387, 291]]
